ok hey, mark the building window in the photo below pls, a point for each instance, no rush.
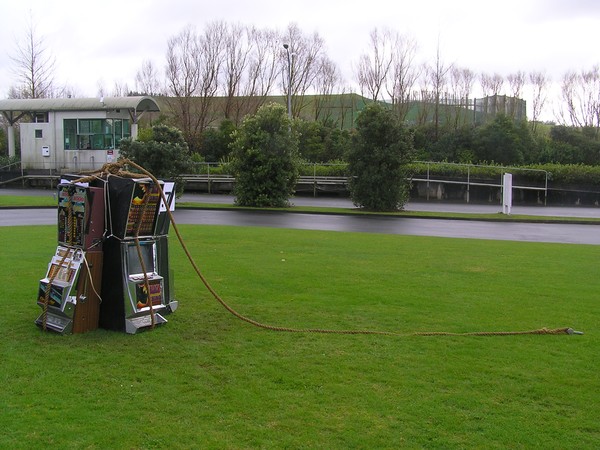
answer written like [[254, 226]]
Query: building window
[[40, 117], [39, 134], [95, 134]]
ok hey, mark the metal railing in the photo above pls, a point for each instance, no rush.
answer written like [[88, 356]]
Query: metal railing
[[7, 168], [469, 182], [211, 177], [207, 174]]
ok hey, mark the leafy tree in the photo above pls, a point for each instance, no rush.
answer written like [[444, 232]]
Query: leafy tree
[[423, 141], [336, 143], [321, 142], [499, 141], [452, 145], [265, 161], [160, 150], [310, 140], [381, 149], [571, 145], [530, 142], [216, 141]]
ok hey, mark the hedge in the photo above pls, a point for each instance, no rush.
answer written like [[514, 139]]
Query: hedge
[[558, 174]]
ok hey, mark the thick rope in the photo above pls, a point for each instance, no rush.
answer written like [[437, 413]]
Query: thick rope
[[121, 163]]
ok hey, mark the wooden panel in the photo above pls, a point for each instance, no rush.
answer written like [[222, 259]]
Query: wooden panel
[[88, 303]]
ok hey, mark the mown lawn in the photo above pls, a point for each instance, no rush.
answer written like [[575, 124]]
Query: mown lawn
[[208, 380]]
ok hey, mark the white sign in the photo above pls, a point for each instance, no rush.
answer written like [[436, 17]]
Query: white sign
[[507, 193]]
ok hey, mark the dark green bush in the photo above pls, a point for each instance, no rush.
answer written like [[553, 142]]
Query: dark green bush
[[265, 161]]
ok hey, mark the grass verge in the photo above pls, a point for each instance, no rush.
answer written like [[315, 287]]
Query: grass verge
[[207, 380]]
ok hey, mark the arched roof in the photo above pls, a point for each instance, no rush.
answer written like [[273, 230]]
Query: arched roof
[[137, 104]]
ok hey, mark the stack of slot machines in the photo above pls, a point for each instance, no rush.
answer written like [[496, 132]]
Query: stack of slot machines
[[68, 294], [111, 266]]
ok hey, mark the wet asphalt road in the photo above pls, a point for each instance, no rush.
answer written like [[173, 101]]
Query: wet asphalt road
[[515, 231]]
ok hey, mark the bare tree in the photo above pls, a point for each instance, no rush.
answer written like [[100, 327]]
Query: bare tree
[[264, 67], [120, 89], [516, 81], [33, 66], [147, 80], [461, 82], [491, 84], [424, 96], [249, 69], [193, 66], [261, 72], [375, 65], [327, 80], [237, 54], [101, 88], [581, 97], [305, 53], [438, 79], [183, 79], [211, 59], [539, 83], [403, 73]]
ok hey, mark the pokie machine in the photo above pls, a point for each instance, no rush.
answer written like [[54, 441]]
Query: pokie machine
[[137, 287], [69, 293]]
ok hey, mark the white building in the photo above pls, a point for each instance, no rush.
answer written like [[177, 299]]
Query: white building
[[72, 134]]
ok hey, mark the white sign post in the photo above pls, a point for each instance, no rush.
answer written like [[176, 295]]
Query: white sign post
[[507, 193]]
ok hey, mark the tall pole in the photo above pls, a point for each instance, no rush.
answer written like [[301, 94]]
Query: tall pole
[[289, 89]]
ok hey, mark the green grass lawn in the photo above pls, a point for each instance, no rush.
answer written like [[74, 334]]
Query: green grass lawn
[[9, 201], [208, 380]]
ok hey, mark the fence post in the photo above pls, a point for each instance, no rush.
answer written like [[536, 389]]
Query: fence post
[[208, 178], [314, 179], [428, 181], [546, 190], [468, 183]]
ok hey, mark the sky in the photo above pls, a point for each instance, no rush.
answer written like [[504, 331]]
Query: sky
[[106, 42]]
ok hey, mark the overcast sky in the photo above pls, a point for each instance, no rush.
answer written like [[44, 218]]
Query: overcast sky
[[109, 40]]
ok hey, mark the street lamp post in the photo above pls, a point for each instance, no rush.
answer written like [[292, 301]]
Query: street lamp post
[[289, 89]]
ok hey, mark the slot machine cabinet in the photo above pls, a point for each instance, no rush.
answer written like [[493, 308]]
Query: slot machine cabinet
[[162, 245], [129, 303], [125, 297], [133, 207], [72, 302], [80, 216]]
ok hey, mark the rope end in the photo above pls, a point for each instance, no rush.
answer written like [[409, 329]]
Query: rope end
[[572, 331]]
